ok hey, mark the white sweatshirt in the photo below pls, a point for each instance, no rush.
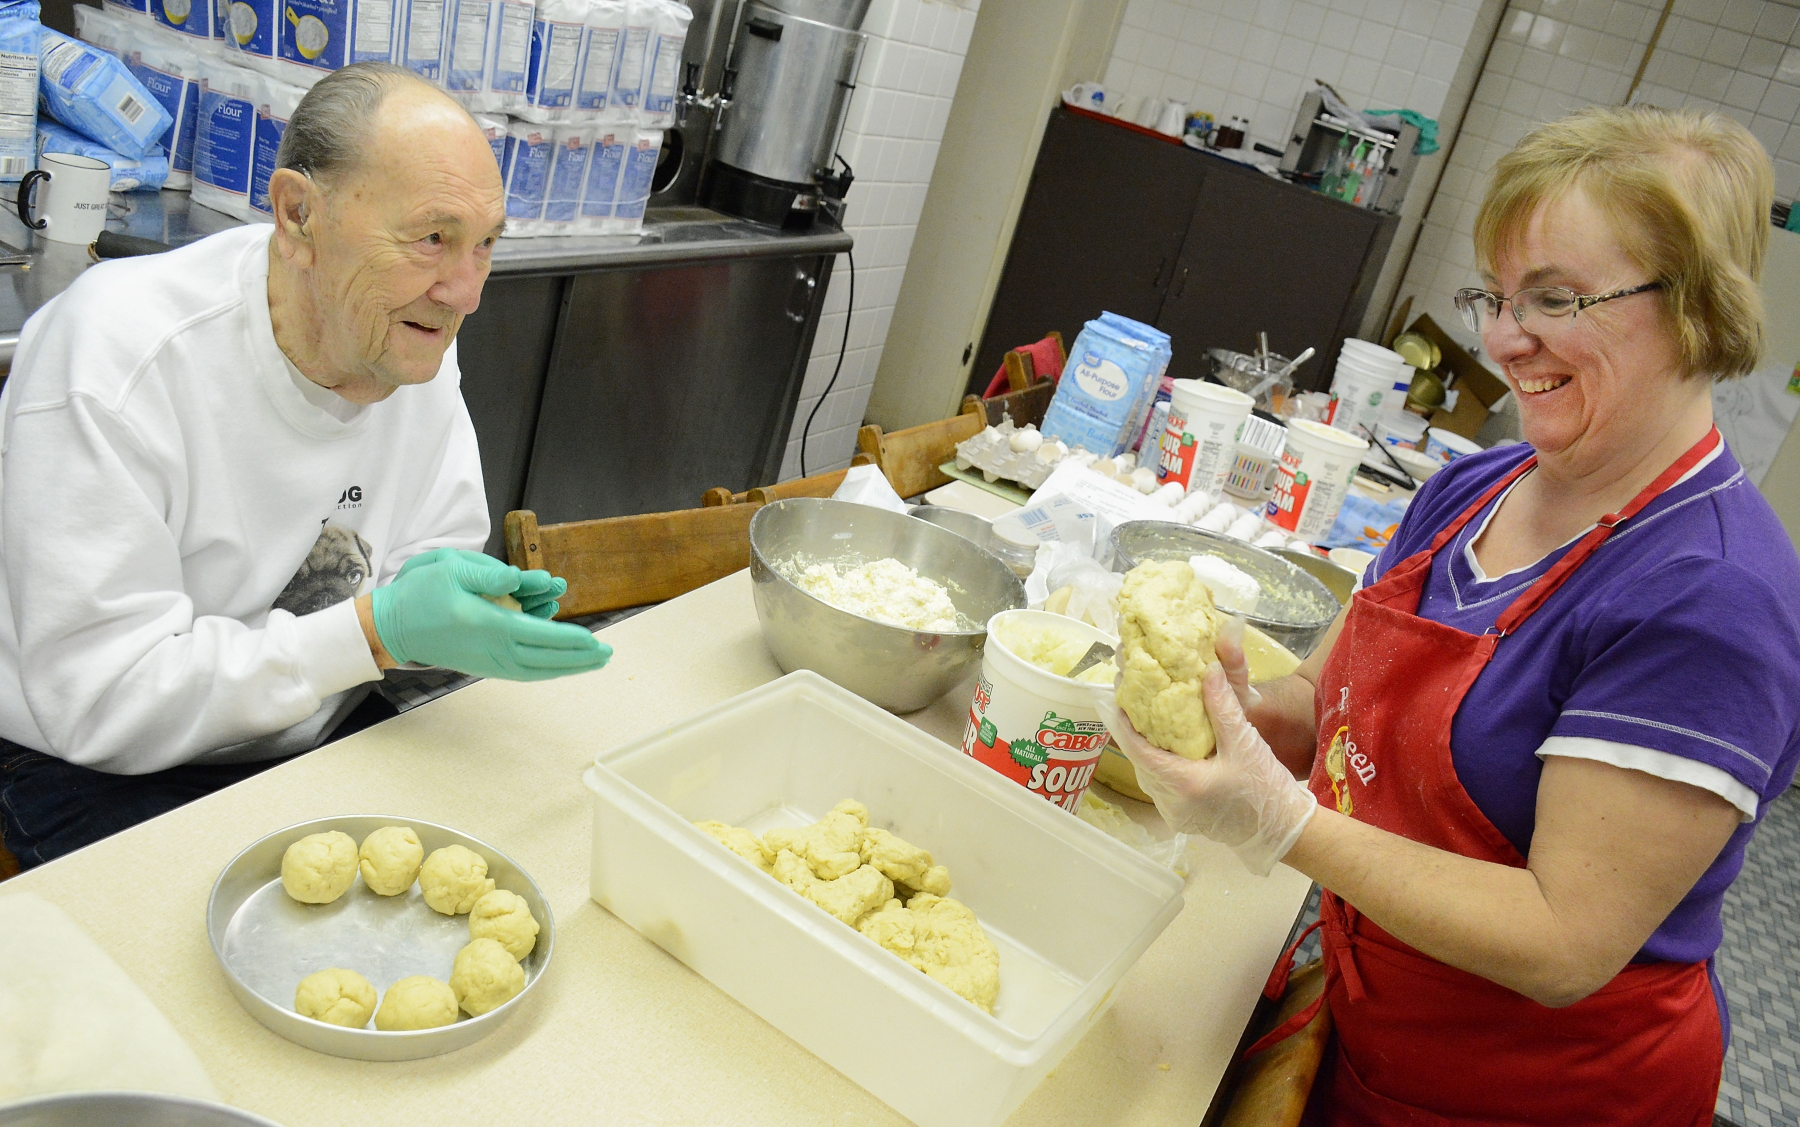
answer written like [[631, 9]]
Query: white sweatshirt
[[184, 520]]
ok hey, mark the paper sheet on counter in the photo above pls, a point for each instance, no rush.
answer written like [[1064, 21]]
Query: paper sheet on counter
[[71, 1020]]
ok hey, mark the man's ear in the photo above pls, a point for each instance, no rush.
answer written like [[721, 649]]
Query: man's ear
[[297, 204]]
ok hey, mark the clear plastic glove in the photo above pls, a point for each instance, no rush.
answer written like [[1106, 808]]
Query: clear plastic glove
[[1242, 797], [1229, 646], [537, 591], [436, 612]]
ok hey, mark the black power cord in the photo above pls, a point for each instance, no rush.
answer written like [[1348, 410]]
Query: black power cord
[[849, 311]]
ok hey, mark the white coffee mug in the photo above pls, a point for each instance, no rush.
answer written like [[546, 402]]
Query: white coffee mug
[[72, 199]]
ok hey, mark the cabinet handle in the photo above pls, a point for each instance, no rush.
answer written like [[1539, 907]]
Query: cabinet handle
[[1180, 282], [1156, 278]]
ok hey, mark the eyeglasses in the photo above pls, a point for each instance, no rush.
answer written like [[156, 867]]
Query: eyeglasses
[[1537, 309]]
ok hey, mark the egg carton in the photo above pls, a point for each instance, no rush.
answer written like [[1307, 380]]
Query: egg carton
[[1027, 456]]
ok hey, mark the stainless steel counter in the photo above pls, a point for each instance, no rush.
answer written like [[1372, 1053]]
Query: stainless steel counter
[[671, 236]]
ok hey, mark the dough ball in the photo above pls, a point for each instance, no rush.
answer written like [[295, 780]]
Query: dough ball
[[390, 859], [485, 976], [339, 996], [453, 878], [1167, 624], [504, 918], [419, 1002], [319, 868], [504, 602]]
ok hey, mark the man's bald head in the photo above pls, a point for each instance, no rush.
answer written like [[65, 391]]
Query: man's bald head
[[329, 133]]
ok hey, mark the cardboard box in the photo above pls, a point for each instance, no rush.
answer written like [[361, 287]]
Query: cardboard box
[[1480, 388]]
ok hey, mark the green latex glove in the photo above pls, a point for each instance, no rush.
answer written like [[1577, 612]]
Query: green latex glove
[[537, 592], [434, 613]]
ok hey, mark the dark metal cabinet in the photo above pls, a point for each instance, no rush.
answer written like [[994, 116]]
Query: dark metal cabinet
[[1100, 228], [664, 383], [1206, 249]]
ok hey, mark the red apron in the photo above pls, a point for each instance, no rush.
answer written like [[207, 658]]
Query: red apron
[[1421, 1042]]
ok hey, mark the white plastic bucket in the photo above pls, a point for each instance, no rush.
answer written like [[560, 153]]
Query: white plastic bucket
[[1358, 396], [1446, 446], [1197, 446], [1402, 429], [1039, 730], [1313, 478]]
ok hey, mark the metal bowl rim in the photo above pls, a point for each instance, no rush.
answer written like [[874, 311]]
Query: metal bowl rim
[[1257, 619], [757, 553], [49, 1101], [546, 933]]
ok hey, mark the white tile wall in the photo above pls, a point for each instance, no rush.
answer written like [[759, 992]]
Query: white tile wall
[[1555, 56], [1257, 58], [891, 137]]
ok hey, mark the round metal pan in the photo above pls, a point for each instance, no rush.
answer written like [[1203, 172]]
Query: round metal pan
[[266, 942], [125, 1109]]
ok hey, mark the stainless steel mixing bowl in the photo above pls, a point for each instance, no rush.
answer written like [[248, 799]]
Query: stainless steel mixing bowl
[[125, 1109], [899, 669], [1295, 608], [1340, 581], [976, 530]]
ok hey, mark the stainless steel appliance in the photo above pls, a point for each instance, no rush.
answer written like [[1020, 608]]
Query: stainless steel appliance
[[1315, 138], [785, 89]]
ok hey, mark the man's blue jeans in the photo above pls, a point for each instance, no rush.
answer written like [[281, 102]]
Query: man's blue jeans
[[49, 807]]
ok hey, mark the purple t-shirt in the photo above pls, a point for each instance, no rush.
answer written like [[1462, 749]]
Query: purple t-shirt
[[1681, 633]]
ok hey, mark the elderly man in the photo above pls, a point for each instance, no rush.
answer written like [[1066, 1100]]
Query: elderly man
[[238, 480]]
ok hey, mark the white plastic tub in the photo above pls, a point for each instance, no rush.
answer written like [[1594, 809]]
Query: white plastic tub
[[1069, 908]]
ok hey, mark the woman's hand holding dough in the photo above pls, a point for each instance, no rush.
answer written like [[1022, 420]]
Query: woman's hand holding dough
[[419, 1002], [390, 859], [338, 996], [504, 917], [319, 868], [485, 976], [453, 878]]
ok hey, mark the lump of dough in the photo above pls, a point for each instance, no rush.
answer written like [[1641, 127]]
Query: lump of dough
[[504, 602], [485, 976], [904, 863], [1167, 624], [942, 938], [390, 859], [338, 996], [419, 1002], [741, 842], [507, 920], [849, 897], [319, 868], [832, 845], [453, 878]]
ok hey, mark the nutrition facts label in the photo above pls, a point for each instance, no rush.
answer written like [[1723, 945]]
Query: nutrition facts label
[[374, 29]]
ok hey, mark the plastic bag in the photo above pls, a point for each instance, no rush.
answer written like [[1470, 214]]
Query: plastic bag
[[1112, 820], [662, 65], [867, 485], [171, 72], [1092, 592], [557, 34], [128, 173], [568, 172], [525, 171], [419, 43], [602, 37], [273, 109], [19, 46], [224, 136], [94, 93]]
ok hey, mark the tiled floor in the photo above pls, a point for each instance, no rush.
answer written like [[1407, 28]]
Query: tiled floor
[[1761, 1086]]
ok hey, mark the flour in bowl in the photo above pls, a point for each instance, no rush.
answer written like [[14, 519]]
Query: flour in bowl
[[885, 590]]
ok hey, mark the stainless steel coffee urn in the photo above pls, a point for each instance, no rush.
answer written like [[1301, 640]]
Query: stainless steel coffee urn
[[787, 86]]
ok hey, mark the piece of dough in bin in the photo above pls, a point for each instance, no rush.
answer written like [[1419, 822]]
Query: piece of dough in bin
[[335, 995], [453, 878], [390, 859], [319, 868], [419, 1002], [485, 976], [505, 918]]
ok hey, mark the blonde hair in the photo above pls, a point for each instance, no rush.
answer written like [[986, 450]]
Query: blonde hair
[[1689, 195]]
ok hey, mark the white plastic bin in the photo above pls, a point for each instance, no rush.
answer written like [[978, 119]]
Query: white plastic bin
[[1069, 908]]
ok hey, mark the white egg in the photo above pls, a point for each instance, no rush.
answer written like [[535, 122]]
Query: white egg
[[1143, 479], [1026, 441]]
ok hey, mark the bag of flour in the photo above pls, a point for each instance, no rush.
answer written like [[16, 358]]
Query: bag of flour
[[224, 136], [19, 43], [556, 37], [171, 72], [525, 171], [1101, 389], [274, 108], [662, 67], [94, 93], [602, 37], [129, 174]]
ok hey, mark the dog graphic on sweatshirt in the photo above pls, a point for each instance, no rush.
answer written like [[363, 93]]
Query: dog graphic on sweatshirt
[[333, 571]]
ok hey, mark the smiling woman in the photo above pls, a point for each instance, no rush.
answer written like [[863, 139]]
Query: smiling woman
[[1567, 685]]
